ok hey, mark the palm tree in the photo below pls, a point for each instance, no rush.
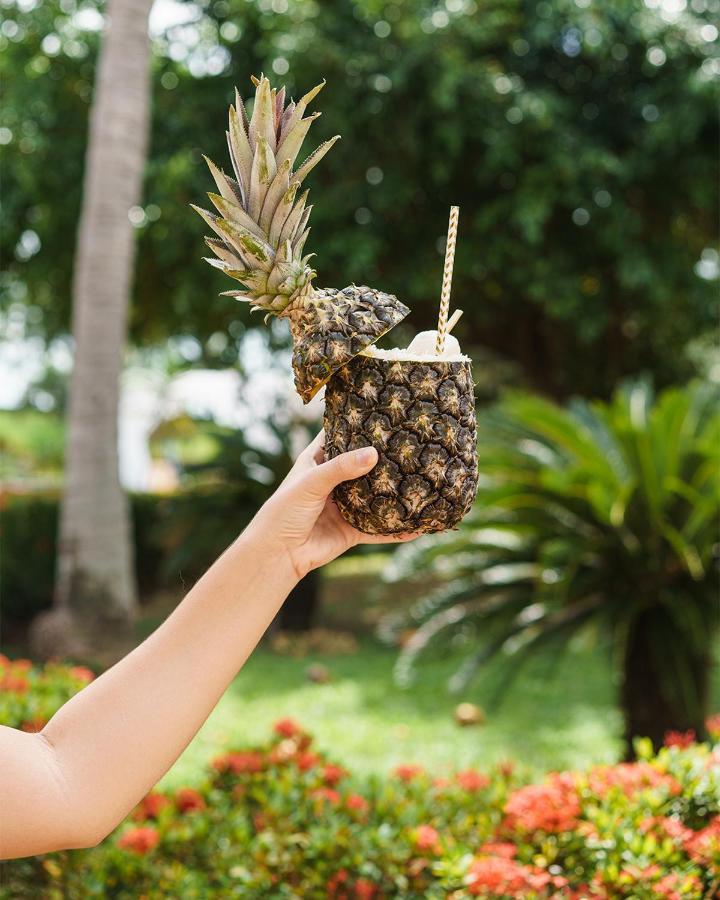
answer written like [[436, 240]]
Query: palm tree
[[599, 516], [95, 578]]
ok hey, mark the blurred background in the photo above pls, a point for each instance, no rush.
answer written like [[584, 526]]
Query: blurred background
[[579, 139]]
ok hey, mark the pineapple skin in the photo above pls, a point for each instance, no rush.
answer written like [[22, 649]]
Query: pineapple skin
[[329, 327], [420, 417]]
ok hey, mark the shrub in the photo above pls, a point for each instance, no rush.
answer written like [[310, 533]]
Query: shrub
[[165, 557], [599, 516], [282, 820]]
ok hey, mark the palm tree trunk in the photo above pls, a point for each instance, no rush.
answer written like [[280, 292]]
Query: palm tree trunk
[[95, 574], [655, 697]]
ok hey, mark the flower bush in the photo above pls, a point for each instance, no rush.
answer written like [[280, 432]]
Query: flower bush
[[282, 820]]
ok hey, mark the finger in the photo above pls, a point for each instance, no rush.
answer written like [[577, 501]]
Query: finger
[[320, 481], [308, 457]]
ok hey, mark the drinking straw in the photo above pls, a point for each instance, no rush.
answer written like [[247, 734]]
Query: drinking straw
[[447, 280]]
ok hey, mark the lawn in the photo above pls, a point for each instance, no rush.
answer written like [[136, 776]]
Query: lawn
[[557, 714]]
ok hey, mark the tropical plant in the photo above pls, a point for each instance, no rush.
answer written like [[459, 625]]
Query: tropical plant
[[596, 516]]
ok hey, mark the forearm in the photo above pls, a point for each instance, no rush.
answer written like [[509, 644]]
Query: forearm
[[115, 740]]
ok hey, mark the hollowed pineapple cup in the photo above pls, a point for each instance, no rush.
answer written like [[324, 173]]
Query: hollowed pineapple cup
[[420, 417]]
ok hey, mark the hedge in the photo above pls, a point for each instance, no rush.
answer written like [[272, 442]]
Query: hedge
[[162, 524], [283, 820]]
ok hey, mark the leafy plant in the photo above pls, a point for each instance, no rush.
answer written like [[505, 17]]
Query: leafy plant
[[282, 819], [596, 516]]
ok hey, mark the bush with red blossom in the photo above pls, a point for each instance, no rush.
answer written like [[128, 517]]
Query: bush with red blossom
[[284, 820]]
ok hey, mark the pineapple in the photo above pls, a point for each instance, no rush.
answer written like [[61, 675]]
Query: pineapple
[[261, 226], [418, 411]]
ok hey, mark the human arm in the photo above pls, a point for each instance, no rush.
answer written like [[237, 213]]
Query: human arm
[[72, 783]]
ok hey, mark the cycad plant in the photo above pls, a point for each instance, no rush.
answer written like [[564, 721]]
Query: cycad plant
[[599, 516]]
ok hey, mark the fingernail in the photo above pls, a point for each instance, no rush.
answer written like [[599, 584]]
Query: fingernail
[[365, 456]]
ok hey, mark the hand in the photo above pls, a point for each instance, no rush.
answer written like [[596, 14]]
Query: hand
[[301, 520]]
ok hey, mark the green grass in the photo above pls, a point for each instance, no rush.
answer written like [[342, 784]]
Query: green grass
[[548, 719]]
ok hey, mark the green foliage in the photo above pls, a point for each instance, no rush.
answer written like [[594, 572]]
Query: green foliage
[[171, 552], [600, 514], [31, 443], [281, 819], [536, 118]]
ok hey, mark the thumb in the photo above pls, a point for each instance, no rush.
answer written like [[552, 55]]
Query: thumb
[[320, 481]]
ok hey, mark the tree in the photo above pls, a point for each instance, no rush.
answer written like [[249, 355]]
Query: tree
[[600, 516], [554, 125], [95, 577]]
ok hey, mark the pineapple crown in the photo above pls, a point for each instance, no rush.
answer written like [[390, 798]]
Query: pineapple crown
[[261, 224]]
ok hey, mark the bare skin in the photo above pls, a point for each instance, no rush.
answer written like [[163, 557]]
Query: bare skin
[[71, 784]]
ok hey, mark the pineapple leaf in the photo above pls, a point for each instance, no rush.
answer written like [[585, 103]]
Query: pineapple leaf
[[315, 158], [293, 220], [252, 248], [279, 107], [223, 251], [300, 242], [285, 120], [241, 110], [279, 186], [216, 223], [282, 212], [262, 122], [224, 184], [303, 222], [263, 171], [299, 109], [240, 147], [234, 213], [293, 140]]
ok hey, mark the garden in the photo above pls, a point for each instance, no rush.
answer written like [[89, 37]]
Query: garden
[[525, 704]]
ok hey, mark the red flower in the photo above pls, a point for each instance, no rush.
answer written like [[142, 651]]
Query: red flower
[[357, 803], [139, 840], [336, 883], [287, 728], [499, 848], [680, 738], [493, 876], [150, 806], [332, 774], [665, 826], [82, 673], [306, 760], [239, 763], [408, 772], [703, 846], [327, 794], [33, 725], [472, 781], [427, 838], [189, 800], [441, 783], [630, 778], [21, 665], [712, 723], [4, 661], [364, 889], [550, 807], [17, 684]]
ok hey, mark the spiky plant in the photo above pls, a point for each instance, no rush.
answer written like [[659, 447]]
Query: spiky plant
[[600, 516], [261, 226]]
